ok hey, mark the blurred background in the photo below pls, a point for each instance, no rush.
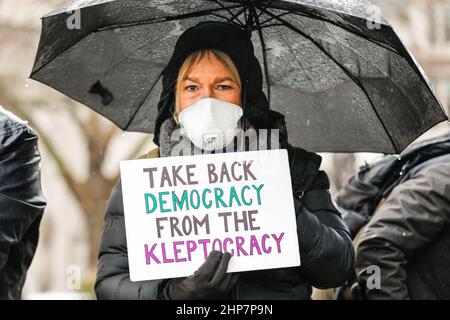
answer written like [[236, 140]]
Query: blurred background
[[81, 150]]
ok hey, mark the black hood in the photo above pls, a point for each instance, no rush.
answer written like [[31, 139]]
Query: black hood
[[236, 43]]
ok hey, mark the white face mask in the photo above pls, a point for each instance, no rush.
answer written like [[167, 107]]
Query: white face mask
[[210, 123]]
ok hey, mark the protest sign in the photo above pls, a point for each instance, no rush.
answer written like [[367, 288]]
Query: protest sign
[[179, 209]]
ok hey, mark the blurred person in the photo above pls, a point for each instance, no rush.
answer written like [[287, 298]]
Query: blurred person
[[398, 212], [21, 202]]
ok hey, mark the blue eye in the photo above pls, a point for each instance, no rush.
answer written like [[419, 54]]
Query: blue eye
[[191, 88], [224, 87]]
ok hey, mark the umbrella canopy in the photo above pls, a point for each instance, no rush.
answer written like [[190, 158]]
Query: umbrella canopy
[[340, 75]]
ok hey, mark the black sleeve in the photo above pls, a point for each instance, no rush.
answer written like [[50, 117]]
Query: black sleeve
[[326, 250], [113, 277], [21, 199]]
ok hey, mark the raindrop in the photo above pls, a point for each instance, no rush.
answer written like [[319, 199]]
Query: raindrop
[[307, 123], [123, 133], [404, 234]]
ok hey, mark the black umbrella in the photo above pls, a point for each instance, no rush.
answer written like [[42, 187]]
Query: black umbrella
[[342, 77]]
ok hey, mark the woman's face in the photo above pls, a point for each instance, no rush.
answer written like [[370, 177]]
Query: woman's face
[[209, 78]]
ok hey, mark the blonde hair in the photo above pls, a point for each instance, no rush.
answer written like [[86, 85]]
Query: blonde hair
[[191, 60]]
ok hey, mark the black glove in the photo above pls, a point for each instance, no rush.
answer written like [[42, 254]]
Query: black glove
[[210, 281]]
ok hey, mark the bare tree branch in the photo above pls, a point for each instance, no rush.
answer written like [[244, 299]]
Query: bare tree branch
[[65, 172], [137, 149]]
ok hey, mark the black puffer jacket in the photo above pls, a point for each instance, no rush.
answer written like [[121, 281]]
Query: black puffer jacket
[[326, 249], [21, 203]]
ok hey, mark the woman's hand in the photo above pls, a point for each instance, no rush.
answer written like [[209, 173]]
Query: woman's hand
[[210, 281]]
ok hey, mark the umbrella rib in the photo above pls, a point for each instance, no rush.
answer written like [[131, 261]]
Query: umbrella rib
[[245, 12], [280, 15], [223, 6], [356, 80], [266, 6], [272, 25], [223, 17], [234, 16], [143, 101], [263, 47]]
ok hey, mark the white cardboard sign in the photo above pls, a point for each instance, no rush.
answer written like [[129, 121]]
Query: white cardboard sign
[[179, 209]]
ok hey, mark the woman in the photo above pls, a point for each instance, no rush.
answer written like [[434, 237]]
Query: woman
[[213, 66]]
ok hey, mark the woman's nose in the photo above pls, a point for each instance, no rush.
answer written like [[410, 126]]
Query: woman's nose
[[208, 93]]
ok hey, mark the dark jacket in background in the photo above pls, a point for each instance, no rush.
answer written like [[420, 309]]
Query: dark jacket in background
[[326, 250], [21, 202], [408, 235], [409, 239]]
